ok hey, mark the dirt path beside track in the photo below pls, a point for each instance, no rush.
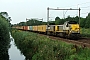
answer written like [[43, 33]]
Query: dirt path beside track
[[84, 42]]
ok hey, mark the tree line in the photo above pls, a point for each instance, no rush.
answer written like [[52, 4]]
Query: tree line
[[84, 22]]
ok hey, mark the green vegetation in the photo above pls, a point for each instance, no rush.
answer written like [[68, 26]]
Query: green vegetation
[[31, 22], [4, 37], [36, 47], [85, 32]]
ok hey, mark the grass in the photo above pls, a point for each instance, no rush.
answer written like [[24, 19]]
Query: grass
[[36, 47], [85, 32]]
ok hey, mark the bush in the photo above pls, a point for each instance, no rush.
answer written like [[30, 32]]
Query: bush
[[4, 39], [85, 32]]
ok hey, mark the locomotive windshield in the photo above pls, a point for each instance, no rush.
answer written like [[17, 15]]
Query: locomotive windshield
[[72, 22]]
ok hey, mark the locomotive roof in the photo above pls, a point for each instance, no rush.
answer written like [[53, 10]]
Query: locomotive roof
[[72, 22]]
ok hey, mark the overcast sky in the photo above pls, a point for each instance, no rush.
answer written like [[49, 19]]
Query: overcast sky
[[19, 10]]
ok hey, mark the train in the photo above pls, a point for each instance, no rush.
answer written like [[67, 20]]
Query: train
[[70, 29]]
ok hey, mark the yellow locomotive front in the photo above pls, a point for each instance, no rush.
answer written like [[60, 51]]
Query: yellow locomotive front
[[74, 29]]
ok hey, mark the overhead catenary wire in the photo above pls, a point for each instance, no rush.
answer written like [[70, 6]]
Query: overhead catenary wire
[[83, 3], [85, 7], [85, 13], [77, 5]]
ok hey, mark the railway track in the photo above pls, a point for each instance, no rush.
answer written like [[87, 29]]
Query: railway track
[[84, 42]]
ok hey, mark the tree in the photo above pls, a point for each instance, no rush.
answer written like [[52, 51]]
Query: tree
[[6, 16], [22, 24], [58, 21], [82, 22], [76, 19], [87, 24], [4, 38], [69, 18]]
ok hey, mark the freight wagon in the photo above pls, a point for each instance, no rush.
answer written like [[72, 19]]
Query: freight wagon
[[42, 28], [35, 28], [26, 28], [31, 28]]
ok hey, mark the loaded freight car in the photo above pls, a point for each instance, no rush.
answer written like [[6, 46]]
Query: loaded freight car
[[31, 28], [18, 27], [25, 27], [42, 28], [35, 29]]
